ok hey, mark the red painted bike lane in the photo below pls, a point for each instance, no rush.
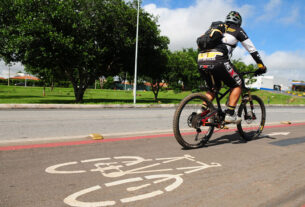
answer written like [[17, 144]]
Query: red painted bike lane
[[85, 142]]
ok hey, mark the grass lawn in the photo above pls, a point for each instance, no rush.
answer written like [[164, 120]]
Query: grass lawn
[[34, 95]]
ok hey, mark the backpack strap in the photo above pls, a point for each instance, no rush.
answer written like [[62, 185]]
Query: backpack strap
[[215, 30]]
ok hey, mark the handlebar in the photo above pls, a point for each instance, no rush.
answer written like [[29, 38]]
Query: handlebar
[[242, 74]]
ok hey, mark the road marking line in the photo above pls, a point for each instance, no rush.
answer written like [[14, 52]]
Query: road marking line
[[166, 177], [173, 181], [120, 182], [95, 160], [138, 187], [142, 197], [279, 133], [84, 142], [72, 199], [53, 168]]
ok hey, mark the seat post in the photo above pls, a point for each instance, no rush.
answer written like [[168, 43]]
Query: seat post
[[215, 90]]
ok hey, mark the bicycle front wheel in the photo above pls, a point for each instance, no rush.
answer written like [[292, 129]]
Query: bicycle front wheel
[[253, 114], [189, 130]]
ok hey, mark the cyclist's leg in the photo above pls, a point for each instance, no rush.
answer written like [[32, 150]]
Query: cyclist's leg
[[234, 96], [207, 77], [210, 95], [232, 79]]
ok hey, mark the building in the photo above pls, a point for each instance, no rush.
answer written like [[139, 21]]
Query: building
[[298, 86], [26, 77], [263, 83]]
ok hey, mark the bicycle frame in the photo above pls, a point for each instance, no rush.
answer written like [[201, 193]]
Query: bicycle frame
[[205, 120], [219, 96]]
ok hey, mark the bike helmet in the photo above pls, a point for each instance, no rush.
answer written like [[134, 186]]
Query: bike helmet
[[234, 17]]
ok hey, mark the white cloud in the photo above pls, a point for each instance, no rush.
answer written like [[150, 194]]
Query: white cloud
[[290, 65], [272, 5], [14, 69], [271, 10], [184, 25], [282, 65], [292, 17]]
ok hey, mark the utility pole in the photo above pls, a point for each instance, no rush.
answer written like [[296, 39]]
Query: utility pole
[[136, 58], [125, 80], [25, 80]]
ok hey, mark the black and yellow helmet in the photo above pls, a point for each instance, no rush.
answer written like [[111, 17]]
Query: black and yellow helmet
[[234, 17]]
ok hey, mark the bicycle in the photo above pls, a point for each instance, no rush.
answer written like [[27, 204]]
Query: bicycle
[[193, 127]]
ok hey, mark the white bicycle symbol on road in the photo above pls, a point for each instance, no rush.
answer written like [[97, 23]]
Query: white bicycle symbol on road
[[114, 168]]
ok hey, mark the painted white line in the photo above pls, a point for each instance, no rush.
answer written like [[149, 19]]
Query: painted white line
[[279, 133], [174, 159], [53, 169], [166, 177], [137, 160], [120, 182], [138, 187], [72, 199], [141, 197], [201, 166], [138, 170], [95, 160], [173, 181]]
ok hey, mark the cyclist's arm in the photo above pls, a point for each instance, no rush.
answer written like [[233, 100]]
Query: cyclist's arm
[[249, 46]]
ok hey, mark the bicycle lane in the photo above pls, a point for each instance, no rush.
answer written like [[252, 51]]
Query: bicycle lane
[[147, 172], [84, 142]]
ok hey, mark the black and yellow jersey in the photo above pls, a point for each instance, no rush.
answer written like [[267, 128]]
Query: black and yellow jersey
[[235, 34]]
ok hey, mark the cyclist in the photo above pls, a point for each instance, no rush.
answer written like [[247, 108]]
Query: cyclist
[[223, 69]]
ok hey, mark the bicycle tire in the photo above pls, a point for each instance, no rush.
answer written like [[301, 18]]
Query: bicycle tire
[[252, 124], [179, 121]]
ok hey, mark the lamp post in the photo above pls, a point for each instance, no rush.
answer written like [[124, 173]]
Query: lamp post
[[9, 74], [136, 58]]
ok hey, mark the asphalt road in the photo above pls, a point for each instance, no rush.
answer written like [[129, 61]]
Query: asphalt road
[[47, 159], [20, 124], [155, 171]]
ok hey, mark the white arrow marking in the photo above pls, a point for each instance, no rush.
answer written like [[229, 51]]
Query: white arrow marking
[[279, 133]]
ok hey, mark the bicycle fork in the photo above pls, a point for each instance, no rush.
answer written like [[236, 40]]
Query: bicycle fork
[[247, 115]]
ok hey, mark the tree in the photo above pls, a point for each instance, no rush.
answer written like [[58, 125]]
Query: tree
[[183, 70], [47, 76], [82, 39], [242, 67], [156, 71], [153, 58], [153, 48]]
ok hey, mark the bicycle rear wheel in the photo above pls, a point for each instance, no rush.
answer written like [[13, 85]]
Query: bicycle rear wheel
[[253, 114], [187, 124]]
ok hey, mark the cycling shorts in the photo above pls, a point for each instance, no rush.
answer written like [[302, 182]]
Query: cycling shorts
[[222, 71]]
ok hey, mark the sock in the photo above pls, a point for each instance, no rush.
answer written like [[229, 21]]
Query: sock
[[230, 110]]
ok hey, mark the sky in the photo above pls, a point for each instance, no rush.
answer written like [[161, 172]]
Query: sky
[[276, 27]]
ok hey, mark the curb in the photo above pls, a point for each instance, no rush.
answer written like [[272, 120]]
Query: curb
[[83, 106], [105, 106]]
